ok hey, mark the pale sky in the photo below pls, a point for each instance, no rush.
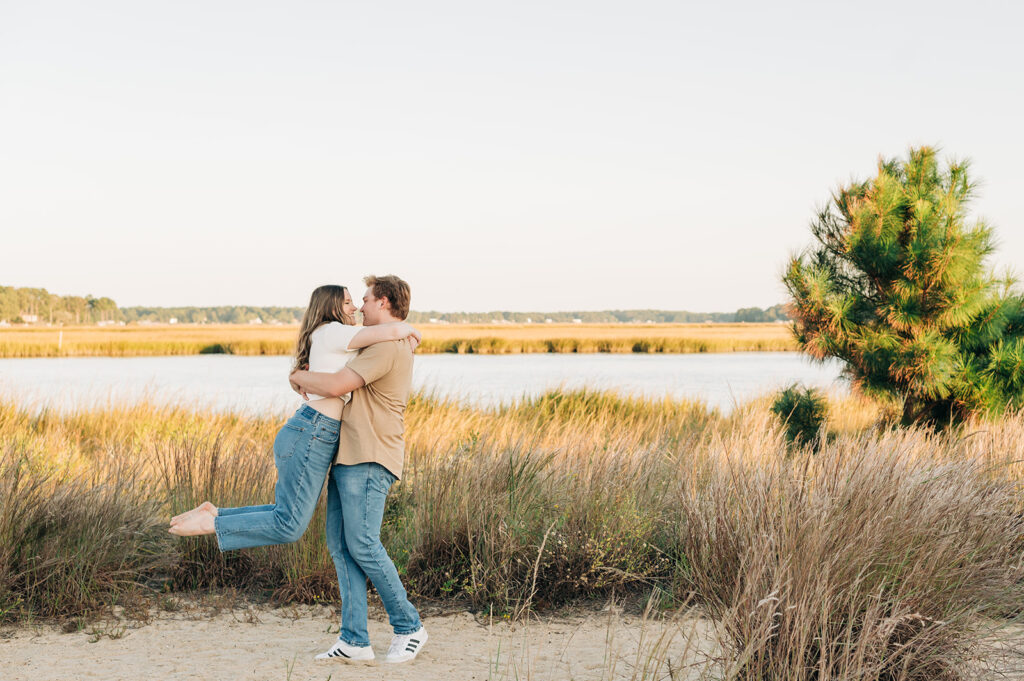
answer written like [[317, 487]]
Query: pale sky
[[519, 155]]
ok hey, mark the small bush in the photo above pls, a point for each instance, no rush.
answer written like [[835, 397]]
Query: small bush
[[802, 411]]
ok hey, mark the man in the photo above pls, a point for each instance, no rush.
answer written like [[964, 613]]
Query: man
[[371, 453]]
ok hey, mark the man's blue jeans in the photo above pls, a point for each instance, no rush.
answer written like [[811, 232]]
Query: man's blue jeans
[[303, 451], [355, 510]]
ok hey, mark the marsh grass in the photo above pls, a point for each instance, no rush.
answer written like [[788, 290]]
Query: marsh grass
[[872, 558], [144, 341], [235, 339], [885, 554], [73, 545]]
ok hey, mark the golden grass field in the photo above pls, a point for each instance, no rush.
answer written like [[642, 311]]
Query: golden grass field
[[878, 553], [188, 339]]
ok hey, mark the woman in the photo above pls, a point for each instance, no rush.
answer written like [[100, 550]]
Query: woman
[[305, 447]]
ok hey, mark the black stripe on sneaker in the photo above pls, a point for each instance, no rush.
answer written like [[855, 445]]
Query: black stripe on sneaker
[[339, 652]]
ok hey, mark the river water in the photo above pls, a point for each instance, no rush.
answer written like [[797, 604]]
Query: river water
[[258, 384]]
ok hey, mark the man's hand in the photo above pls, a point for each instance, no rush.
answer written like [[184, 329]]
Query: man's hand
[[324, 384], [414, 340]]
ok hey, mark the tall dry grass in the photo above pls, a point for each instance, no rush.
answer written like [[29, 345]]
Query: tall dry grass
[[883, 557], [887, 554]]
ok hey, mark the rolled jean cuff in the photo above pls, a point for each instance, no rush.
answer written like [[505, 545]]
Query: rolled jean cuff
[[216, 533], [419, 625], [352, 643]]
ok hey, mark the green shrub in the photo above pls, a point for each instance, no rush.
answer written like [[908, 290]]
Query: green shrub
[[802, 411]]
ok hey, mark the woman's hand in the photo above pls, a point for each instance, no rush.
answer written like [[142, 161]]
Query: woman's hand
[[295, 386], [409, 332]]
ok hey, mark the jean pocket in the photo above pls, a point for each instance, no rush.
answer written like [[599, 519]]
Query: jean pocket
[[326, 435], [287, 441], [381, 479]]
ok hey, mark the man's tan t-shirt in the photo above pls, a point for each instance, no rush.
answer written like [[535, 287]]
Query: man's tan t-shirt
[[372, 422]]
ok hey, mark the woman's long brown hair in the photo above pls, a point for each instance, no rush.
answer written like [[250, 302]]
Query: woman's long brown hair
[[325, 305]]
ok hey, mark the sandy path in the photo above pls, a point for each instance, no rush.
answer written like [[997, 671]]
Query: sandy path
[[260, 644]]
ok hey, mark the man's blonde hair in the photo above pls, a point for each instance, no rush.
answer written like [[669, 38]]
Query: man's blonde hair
[[396, 290]]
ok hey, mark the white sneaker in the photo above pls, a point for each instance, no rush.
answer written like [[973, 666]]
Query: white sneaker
[[347, 653], [405, 647]]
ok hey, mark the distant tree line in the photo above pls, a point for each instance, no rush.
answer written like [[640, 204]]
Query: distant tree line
[[774, 313], [37, 305], [747, 314], [18, 305], [225, 314]]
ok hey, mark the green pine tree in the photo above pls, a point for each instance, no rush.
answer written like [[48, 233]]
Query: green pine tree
[[898, 287]]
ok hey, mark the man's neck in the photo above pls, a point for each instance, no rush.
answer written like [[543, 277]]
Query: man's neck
[[387, 319]]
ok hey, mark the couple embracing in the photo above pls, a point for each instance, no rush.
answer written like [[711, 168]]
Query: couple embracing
[[350, 432]]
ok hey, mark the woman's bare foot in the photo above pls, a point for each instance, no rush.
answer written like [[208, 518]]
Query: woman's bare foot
[[200, 522], [205, 506]]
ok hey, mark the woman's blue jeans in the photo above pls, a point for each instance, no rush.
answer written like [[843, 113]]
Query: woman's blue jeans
[[303, 451], [355, 510]]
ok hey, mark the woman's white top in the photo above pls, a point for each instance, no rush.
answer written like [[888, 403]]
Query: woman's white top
[[329, 353]]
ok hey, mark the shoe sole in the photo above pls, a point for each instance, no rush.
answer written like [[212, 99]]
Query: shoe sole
[[369, 662]]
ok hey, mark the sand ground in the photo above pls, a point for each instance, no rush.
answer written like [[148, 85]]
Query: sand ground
[[260, 643]]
